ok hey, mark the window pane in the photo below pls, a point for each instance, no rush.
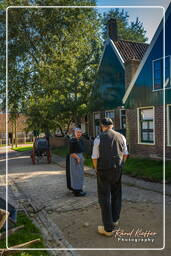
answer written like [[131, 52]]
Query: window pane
[[158, 73], [167, 62], [144, 125], [157, 64], [150, 124], [145, 136], [123, 112], [110, 114], [97, 122], [123, 122], [167, 78], [97, 116], [151, 136], [147, 114]]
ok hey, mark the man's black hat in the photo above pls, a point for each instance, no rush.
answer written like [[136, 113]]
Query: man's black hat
[[106, 121]]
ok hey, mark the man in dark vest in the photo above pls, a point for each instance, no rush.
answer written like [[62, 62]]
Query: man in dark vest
[[109, 154]]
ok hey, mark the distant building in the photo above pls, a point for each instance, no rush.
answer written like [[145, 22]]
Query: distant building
[[144, 98], [20, 127], [118, 64]]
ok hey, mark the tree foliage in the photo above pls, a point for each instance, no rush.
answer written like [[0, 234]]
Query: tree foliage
[[133, 31], [53, 55]]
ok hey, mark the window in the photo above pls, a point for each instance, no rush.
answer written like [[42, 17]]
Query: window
[[110, 114], [158, 73], [122, 118], [169, 125], [146, 125], [96, 123]]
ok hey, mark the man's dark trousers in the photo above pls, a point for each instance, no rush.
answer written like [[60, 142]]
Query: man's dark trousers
[[109, 195]]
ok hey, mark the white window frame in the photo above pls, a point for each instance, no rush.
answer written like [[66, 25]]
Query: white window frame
[[138, 126], [168, 131], [97, 112], [120, 110], [155, 90]]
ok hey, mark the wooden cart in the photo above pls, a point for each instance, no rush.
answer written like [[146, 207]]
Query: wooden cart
[[41, 150]]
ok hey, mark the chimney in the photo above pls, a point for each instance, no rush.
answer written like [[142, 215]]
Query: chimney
[[112, 29]]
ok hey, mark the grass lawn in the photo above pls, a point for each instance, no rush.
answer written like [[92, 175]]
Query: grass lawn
[[29, 232], [21, 149], [61, 151], [88, 162], [146, 169]]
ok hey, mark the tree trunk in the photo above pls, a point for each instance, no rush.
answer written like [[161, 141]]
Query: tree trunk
[[69, 125], [60, 128], [12, 135], [15, 132]]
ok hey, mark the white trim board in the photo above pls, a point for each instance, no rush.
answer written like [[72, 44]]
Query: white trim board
[[117, 53]]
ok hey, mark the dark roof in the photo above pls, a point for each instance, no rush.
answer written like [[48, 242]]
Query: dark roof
[[131, 50]]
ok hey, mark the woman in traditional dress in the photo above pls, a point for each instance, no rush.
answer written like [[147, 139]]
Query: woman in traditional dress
[[74, 164]]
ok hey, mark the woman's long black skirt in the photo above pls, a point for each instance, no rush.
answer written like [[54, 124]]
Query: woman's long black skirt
[[68, 176]]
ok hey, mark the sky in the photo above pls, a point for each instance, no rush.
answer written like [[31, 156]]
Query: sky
[[150, 17]]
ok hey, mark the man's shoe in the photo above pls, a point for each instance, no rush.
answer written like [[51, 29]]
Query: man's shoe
[[116, 223], [101, 231]]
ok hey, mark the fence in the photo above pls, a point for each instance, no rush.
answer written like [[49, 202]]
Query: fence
[[57, 141]]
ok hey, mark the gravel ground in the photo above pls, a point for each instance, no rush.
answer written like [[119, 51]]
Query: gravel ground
[[45, 186], [80, 229]]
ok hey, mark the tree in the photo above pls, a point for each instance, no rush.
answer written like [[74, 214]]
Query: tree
[[133, 31], [69, 71], [53, 57]]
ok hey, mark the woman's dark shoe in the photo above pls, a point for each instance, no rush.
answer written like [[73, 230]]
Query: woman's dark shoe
[[79, 193]]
